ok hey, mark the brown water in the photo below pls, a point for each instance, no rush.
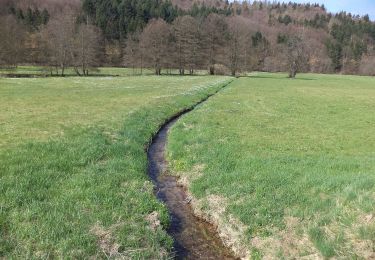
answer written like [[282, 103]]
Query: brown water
[[193, 237]]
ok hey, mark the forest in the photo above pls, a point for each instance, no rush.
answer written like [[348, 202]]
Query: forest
[[220, 36]]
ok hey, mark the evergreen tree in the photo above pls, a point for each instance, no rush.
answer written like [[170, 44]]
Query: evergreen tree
[[335, 53]]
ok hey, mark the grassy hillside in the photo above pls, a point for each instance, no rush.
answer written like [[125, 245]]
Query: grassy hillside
[[285, 167], [73, 165]]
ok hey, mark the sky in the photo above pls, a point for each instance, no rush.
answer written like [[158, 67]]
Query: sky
[[360, 7]]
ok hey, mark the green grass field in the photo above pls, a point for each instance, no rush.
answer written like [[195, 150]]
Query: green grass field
[[45, 71], [104, 71], [286, 168], [73, 181]]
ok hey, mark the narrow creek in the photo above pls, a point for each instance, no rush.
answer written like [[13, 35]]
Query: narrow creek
[[193, 237]]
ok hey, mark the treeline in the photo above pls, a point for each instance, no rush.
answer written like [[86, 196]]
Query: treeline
[[65, 41], [221, 44], [219, 36]]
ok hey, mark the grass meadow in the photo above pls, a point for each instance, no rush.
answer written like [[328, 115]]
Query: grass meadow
[[73, 181], [39, 71], [286, 168]]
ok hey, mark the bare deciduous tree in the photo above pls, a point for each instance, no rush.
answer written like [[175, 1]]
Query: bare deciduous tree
[[60, 34], [194, 44], [85, 52], [181, 35], [296, 54], [236, 43], [134, 52], [186, 33], [156, 41], [215, 31]]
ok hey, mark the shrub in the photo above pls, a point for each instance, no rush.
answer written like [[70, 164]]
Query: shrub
[[221, 69]]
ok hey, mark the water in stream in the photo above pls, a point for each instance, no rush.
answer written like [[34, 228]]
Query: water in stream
[[194, 238]]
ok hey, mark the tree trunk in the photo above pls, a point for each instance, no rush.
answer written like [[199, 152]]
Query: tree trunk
[[292, 74], [293, 70], [77, 71]]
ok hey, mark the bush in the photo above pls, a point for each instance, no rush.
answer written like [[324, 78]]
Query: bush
[[221, 69]]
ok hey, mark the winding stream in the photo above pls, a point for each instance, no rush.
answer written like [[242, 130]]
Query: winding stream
[[193, 237]]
